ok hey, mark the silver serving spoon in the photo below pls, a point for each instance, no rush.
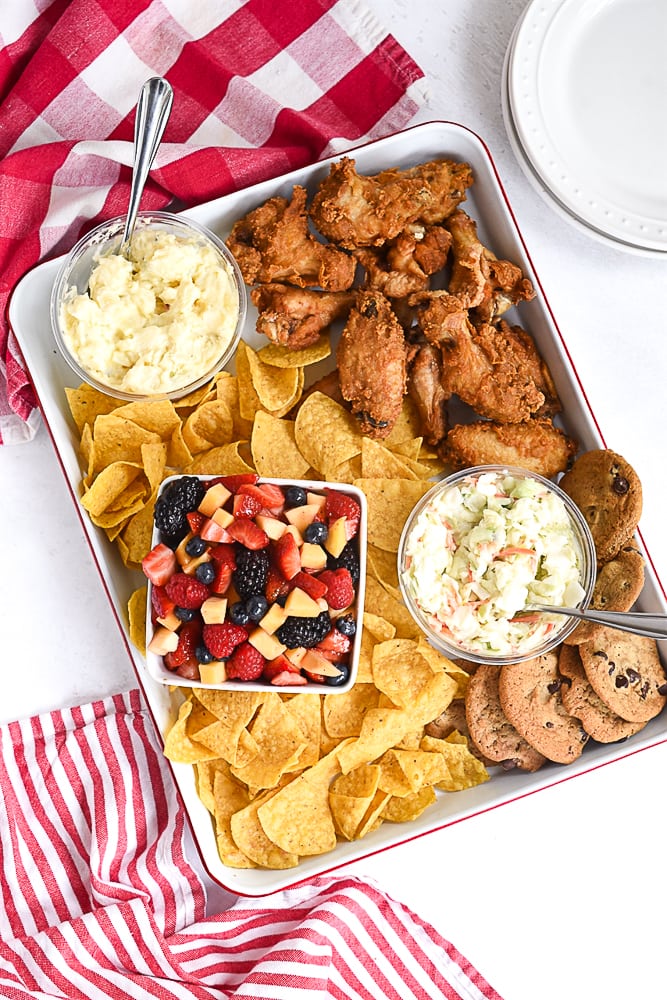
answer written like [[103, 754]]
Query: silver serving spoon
[[153, 110], [654, 626]]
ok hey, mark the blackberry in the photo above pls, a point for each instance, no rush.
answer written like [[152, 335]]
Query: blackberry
[[252, 567], [170, 519], [190, 491], [306, 632], [348, 559], [178, 499]]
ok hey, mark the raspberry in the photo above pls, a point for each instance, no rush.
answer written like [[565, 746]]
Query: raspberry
[[222, 639], [306, 632], [341, 505], [340, 589], [246, 663], [186, 591]]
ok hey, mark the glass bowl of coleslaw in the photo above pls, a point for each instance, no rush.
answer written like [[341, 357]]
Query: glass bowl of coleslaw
[[480, 549]]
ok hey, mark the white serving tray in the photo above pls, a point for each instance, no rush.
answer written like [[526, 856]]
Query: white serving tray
[[486, 202]]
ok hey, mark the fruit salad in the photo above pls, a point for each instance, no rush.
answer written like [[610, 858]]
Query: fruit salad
[[255, 581]]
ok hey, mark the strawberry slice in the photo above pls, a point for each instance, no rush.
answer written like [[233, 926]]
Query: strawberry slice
[[222, 579], [225, 554], [195, 519], [211, 531], [161, 604], [249, 534], [189, 637], [244, 505], [334, 641], [341, 505], [310, 584], [233, 483], [280, 665], [268, 495], [286, 556], [159, 564], [286, 677], [275, 585]]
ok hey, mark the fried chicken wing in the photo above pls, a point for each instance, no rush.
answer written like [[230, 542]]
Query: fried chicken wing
[[425, 388], [372, 364], [536, 445], [354, 210], [404, 265], [295, 317], [448, 181], [495, 370], [273, 243], [479, 280]]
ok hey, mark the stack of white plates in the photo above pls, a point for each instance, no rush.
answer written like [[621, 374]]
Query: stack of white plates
[[585, 107]]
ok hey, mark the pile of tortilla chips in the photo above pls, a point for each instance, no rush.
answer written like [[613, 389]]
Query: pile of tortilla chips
[[286, 776]]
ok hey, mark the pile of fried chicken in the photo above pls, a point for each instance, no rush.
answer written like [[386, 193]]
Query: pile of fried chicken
[[395, 259]]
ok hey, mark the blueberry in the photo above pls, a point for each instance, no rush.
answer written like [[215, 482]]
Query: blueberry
[[340, 678], [195, 546], [295, 496], [238, 613], [316, 532], [203, 655], [184, 614], [347, 625], [256, 606], [205, 572]]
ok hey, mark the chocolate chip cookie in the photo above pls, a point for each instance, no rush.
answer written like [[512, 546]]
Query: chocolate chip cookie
[[490, 730], [617, 586], [580, 700], [625, 671], [530, 696], [608, 492]]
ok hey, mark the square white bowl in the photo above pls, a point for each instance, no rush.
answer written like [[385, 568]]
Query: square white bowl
[[155, 662]]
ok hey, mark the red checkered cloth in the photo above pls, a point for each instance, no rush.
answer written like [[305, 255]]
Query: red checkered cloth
[[260, 87], [99, 898]]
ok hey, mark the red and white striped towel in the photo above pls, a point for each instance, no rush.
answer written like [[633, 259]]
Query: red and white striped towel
[[260, 87], [99, 898]]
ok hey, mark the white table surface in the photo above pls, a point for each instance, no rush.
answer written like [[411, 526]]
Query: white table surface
[[560, 894]]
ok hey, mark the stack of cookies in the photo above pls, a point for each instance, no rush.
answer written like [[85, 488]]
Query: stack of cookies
[[601, 683]]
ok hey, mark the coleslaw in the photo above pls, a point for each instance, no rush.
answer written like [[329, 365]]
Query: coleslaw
[[480, 552]]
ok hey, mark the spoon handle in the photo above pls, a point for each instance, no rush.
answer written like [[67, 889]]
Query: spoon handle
[[654, 626], [153, 110]]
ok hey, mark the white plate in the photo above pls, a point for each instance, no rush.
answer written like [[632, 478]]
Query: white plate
[[587, 86], [538, 184], [28, 314]]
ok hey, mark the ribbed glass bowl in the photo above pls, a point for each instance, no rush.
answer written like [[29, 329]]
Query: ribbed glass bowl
[[436, 628], [74, 274]]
